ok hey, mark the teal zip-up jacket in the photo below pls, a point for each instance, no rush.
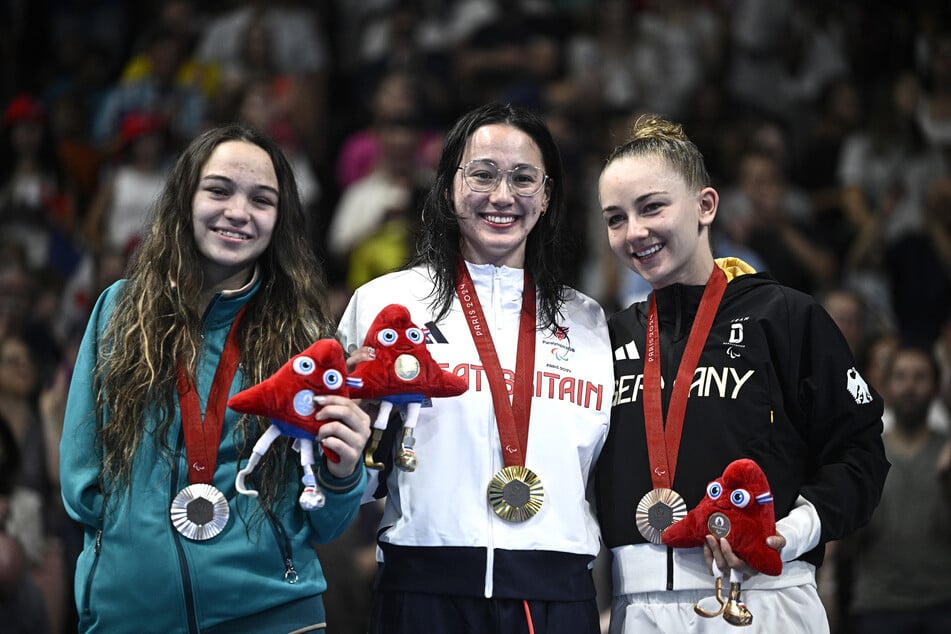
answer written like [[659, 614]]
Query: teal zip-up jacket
[[136, 573]]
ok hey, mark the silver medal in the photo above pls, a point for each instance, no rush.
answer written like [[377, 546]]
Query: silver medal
[[199, 512]]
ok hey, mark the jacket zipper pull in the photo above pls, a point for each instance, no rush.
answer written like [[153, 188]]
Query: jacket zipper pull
[[290, 573]]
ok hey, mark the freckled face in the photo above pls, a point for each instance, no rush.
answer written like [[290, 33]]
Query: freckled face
[[234, 211], [495, 225], [656, 225]]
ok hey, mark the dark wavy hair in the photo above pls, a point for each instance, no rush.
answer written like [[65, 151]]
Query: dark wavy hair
[[439, 244], [157, 321]]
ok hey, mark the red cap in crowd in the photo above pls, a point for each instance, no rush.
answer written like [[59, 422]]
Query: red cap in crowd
[[136, 124], [24, 107]]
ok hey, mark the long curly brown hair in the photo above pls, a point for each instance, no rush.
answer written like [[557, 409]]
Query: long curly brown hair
[[156, 323]]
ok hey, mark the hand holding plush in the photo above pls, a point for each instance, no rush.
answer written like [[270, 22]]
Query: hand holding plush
[[742, 495], [287, 399], [403, 372]]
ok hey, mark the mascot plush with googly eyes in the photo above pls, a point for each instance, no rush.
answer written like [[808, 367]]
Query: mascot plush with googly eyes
[[738, 506], [403, 374], [287, 399]]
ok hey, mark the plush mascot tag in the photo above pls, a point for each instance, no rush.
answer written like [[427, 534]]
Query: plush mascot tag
[[738, 506], [403, 373], [287, 399]]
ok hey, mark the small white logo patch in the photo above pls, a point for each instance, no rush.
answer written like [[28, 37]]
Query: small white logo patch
[[857, 387], [736, 333], [734, 345], [627, 351]]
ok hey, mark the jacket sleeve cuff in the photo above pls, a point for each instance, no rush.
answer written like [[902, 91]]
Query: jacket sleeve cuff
[[331, 483], [801, 529]]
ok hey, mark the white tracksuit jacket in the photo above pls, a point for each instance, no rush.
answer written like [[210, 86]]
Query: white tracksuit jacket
[[438, 533]]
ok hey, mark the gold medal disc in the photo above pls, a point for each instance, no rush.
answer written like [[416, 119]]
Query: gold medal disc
[[516, 494], [657, 510], [199, 512]]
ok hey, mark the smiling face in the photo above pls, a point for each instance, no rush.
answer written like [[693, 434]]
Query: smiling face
[[657, 226], [234, 211], [495, 224]]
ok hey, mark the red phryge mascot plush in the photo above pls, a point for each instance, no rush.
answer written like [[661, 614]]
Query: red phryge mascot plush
[[287, 399], [738, 506], [743, 497], [403, 373]]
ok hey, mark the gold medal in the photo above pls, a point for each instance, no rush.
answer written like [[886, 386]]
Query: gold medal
[[657, 510], [516, 493], [199, 512], [407, 367], [718, 524]]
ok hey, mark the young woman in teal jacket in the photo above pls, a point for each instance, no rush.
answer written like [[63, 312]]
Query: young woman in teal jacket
[[223, 290]]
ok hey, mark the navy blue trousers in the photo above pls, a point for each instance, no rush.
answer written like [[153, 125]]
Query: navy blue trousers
[[411, 613]]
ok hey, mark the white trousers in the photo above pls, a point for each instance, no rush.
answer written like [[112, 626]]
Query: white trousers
[[792, 610]]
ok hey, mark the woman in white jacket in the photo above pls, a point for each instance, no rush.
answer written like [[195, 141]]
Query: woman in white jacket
[[488, 528]]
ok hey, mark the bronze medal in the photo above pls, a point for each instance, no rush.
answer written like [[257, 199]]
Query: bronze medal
[[516, 494], [199, 512], [657, 510], [718, 524]]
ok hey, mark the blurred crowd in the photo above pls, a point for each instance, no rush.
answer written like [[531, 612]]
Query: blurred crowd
[[826, 127]]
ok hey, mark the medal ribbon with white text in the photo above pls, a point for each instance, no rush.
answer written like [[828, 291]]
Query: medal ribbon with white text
[[663, 440], [203, 436], [511, 416]]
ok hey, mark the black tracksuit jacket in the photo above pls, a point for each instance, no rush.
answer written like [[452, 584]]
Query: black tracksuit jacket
[[776, 382]]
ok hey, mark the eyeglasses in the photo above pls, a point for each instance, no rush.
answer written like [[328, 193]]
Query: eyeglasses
[[482, 175]]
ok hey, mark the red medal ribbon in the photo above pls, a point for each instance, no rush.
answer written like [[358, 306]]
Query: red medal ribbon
[[663, 440], [202, 437], [510, 416]]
